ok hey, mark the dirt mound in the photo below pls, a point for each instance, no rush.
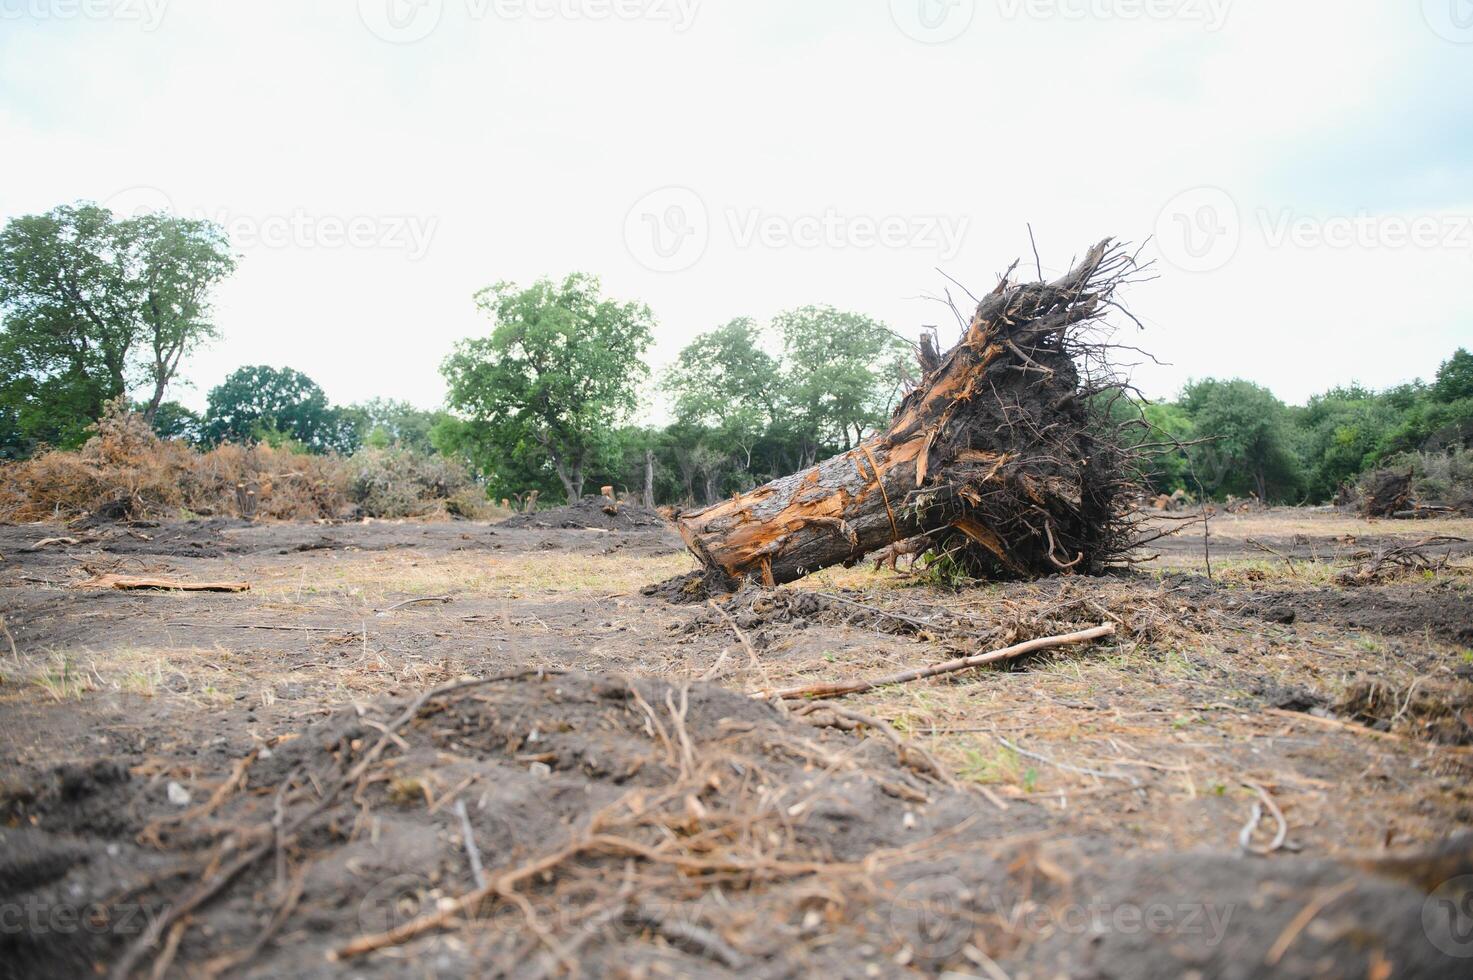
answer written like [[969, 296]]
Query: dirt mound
[[1439, 609], [1045, 607], [590, 512], [535, 823]]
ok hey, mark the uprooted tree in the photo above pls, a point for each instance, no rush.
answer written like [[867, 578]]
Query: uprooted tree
[[1006, 458]]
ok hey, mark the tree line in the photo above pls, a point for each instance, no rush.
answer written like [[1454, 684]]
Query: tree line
[[97, 308]]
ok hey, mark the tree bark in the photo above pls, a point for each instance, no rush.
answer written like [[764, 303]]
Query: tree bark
[[998, 455], [649, 478]]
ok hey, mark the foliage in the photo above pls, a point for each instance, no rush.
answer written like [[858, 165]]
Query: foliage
[[94, 306], [278, 406], [174, 421], [1454, 378], [550, 384], [744, 416], [1341, 433], [1252, 449], [385, 422], [843, 371]]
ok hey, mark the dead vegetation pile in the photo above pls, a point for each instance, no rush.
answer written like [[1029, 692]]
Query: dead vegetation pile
[[1139, 608], [1430, 708], [1417, 485], [126, 472]]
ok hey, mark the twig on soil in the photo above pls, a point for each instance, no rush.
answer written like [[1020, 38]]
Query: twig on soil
[[1304, 918], [1245, 836], [131, 582], [472, 853], [839, 689], [411, 602], [691, 937], [1081, 770], [1348, 726], [1253, 543], [905, 750], [752, 660], [263, 626]]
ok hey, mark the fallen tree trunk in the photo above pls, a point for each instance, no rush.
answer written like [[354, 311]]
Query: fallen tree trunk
[[1004, 455]]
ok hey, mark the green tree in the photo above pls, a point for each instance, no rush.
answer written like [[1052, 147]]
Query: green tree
[[1454, 378], [1341, 435], [1170, 468], [1251, 448], [556, 376], [842, 374], [94, 306], [260, 403], [724, 383], [173, 421], [396, 423]]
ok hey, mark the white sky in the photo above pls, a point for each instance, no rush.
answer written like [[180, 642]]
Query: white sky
[[519, 138]]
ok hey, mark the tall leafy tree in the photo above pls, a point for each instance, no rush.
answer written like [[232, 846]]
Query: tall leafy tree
[[387, 422], [556, 376], [726, 383], [843, 371], [1252, 448], [1454, 378], [94, 306], [258, 403]]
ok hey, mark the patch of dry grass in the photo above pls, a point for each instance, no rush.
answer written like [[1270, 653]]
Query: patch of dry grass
[[376, 580]]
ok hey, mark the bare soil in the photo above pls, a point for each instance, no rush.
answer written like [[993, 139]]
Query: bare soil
[[249, 784]]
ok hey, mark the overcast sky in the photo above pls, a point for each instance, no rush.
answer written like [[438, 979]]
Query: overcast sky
[[1305, 166]]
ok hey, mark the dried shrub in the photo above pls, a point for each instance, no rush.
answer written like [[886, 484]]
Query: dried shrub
[[1427, 479], [404, 483], [125, 471]]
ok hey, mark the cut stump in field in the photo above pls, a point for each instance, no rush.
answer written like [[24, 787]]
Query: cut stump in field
[[1004, 456]]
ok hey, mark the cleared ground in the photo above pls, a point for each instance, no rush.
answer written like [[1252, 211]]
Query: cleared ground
[[1085, 812]]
